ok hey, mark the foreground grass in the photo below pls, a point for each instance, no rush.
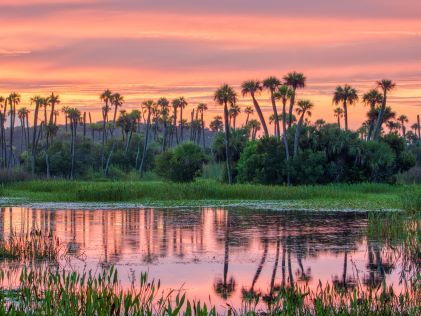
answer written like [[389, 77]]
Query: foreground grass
[[363, 196]]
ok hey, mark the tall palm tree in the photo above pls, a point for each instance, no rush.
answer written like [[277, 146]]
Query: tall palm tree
[[403, 119], [294, 80], [74, 118], [338, 113], [22, 115], [14, 100], [285, 93], [116, 100], [163, 103], [252, 87], [53, 100], [386, 85], [249, 111], [175, 104], [346, 95], [3, 106], [372, 98], [304, 107], [201, 108], [182, 105], [106, 98], [272, 83], [226, 95], [148, 105], [234, 111], [38, 102]]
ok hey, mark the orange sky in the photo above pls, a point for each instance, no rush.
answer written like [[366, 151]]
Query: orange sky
[[148, 49]]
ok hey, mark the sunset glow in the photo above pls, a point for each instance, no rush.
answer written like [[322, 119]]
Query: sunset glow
[[149, 49]]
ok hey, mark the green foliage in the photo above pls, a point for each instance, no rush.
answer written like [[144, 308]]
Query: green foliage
[[181, 164], [327, 154]]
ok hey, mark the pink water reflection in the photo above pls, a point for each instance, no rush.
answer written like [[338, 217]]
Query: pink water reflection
[[217, 254]]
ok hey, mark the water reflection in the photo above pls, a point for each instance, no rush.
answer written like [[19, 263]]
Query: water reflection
[[226, 255]]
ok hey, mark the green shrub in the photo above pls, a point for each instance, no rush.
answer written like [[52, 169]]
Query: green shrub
[[181, 164]]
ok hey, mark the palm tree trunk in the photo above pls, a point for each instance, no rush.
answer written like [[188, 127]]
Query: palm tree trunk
[[380, 117], [12, 129], [52, 112], [275, 266], [145, 145], [247, 118], [345, 115], [297, 134], [276, 119], [261, 263], [203, 131], [227, 151], [34, 137], [291, 107], [181, 124], [260, 114], [339, 121], [175, 125]]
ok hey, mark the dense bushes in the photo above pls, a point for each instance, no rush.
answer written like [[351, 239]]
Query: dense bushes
[[180, 164], [326, 155]]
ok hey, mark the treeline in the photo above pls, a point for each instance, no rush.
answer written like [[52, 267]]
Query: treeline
[[158, 137]]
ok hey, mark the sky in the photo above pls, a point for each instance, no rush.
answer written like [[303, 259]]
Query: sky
[[149, 49]]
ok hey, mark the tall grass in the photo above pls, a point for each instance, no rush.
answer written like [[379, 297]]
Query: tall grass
[[32, 246], [61, 190], [55, 292]]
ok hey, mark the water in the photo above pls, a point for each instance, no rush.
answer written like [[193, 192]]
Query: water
[[217, 254]]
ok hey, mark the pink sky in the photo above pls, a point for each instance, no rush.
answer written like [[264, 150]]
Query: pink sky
[[148, 49]]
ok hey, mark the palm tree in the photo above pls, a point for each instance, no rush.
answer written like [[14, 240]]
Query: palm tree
[[182, 104], [163, 103], [372, 98], [148, 105], [294, 80], [223, 96], [304, 107], [53, 100], [348, 96], [338, 113], [234, 111], [216, 125], [74, 117], [252, 87], [386, 85], [403, 119], [272, 83], [3, 105], [254, 125], [284, 93], [175, 104], [387, 116], [14, 99], [117, 100], [23, 114], [319, 123], [38, 101], [249, 111], [106, 98], [393, 126], [201, 108]]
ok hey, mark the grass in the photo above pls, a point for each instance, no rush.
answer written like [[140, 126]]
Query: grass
[[51, 291], [338, 196], [30, 247]]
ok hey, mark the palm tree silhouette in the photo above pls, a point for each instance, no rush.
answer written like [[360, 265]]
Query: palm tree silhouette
[[304, 107], [249, 111], [348, 96], [252, 87], [386, 85], [294, 80], [148, 105], [272, 83], [338, 113], [372, 98], [226, 95], [403, 119]]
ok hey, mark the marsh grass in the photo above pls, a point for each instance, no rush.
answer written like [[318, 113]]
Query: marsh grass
[[55, 292], [29, 247], [335, 195]]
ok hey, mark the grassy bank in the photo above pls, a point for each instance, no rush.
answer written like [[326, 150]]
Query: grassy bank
[[365, 196]]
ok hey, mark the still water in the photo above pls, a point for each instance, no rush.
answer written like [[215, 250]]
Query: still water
[[217, 254]]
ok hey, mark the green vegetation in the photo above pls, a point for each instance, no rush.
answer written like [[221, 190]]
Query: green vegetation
[[205, 192], [59, 292]]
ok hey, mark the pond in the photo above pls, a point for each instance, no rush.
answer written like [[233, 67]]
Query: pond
[[218, 254]]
